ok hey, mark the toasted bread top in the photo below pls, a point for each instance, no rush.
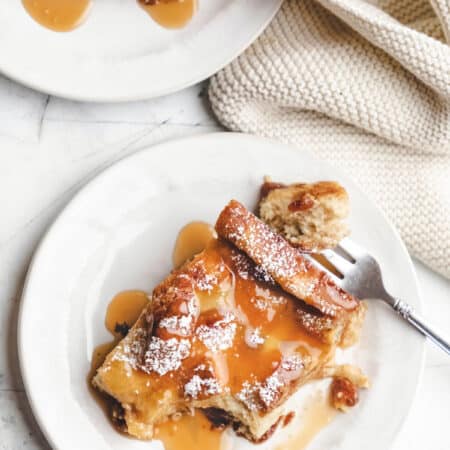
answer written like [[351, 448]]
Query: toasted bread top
[[288, 267]]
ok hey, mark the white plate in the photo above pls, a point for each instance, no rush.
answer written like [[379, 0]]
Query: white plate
[[120, 54], [118, 233]]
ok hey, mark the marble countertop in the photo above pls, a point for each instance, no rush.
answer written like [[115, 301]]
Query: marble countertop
[[49, 148]]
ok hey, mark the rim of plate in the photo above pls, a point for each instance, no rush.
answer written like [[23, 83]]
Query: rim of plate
[[97, 179], [202, 75]]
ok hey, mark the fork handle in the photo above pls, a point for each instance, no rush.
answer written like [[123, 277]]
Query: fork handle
[[406, 311]]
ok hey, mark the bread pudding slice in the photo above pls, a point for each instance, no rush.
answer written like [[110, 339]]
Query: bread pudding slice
[[310, 216], [220, 334], [293, 271]]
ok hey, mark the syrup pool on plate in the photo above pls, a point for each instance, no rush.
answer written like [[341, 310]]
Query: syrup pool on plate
[[192, 239], [316, 414], [171, 14], [121, 314], [189, 430], [58, 15], [123, 311], [66, 15]]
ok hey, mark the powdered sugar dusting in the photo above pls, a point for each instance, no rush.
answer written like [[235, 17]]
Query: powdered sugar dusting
[[292, 363], [246, 269], [247, 395], [197, 386], [314, 323], [220, 335], [253, 337], [264, 395], [207, 282], [132, 352], [281, 261], [270, 390], [264, 299], [267, 249], [164, 356], [181, 325]]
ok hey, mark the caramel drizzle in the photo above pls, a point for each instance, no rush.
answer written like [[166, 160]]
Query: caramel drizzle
[[288, 267]]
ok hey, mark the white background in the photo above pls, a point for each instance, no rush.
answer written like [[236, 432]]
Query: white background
[[50, 147]]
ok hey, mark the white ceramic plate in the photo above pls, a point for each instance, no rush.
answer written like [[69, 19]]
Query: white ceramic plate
[[120, 54], [118, 234]]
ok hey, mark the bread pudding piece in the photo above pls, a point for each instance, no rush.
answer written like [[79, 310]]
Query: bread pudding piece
[[220, 334], [296, 273], [310, 216]]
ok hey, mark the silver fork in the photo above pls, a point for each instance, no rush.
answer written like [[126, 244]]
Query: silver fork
[[361, 276]]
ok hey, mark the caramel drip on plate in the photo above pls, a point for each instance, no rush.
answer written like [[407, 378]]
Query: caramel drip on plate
[[171, 14], [192, 432], [58, 15], [99, 354], [97, 359], [192, 239], [124, 310], [121, 314], [317, 415], [66, 15]]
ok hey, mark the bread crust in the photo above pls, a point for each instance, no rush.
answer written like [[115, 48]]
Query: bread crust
[[311, 216], [289, 268]]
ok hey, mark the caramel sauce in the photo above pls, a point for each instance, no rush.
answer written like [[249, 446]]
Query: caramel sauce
[[267, 187], [99, 355], [66, 15], [123, 311], [243, 331], [191, 432], [170, 13], [303, 203], [58, 15], [192, 239], [184, 433], [97, 359], [121, 314], [317, 415]]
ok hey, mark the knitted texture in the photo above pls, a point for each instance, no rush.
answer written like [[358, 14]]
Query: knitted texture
[[364, 84]]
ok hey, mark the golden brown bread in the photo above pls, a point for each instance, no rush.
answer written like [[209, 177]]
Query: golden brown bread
[[310, 216], [289, 268], [221, 335]]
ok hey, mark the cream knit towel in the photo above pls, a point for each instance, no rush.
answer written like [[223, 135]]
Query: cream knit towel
[[364, 84]]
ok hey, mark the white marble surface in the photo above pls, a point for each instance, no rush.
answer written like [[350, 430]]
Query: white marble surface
[[49, 148]]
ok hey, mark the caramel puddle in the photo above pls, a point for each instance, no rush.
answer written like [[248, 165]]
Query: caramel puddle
[[58, 15], [66, 15], [317, 415], [192, 239], [171, 14], [123, 311], [191, 432], [121, 314]]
